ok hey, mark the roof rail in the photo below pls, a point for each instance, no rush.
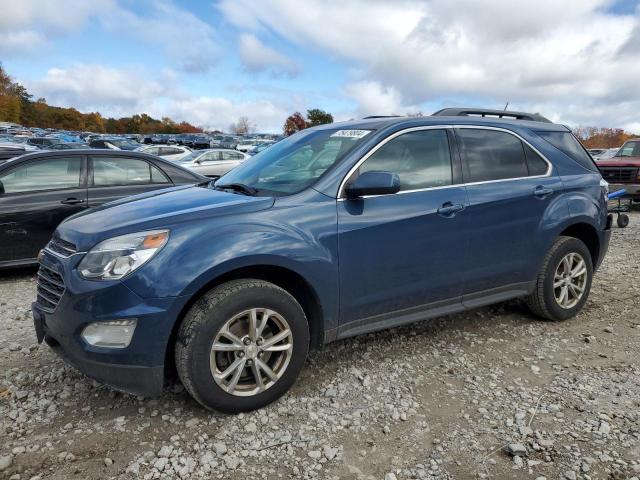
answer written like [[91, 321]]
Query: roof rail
[[380, 116], [484, 112]]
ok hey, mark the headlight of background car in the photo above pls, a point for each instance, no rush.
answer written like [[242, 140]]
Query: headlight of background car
[[116, 257]]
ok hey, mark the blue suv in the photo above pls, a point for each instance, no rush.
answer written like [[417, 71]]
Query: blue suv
[[338, 230]]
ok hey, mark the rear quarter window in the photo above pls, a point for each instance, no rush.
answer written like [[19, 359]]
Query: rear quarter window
[[570, 146]]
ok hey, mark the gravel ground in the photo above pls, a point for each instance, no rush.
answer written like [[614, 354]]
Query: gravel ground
[[492, 393]]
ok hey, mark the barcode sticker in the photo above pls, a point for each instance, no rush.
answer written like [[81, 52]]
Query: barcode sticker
[[351, 133]]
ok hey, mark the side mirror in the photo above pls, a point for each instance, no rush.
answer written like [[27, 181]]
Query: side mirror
[[373, 183], [1, 188]]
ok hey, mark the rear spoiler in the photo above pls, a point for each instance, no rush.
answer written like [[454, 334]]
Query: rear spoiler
[[483, 112]]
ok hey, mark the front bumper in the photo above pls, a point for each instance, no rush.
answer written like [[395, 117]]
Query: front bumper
[[138, 368]]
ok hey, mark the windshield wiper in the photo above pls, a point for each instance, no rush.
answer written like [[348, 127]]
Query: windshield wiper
[[238, 187]]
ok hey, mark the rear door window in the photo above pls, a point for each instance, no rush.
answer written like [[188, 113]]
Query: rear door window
[[118, 171], [492, 155]]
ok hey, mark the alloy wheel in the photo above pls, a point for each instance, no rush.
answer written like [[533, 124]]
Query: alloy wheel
[[251, 352], [570, 280]]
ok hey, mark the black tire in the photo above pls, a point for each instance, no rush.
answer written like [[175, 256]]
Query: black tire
[[204, 321], [623, 220], [542, 301]]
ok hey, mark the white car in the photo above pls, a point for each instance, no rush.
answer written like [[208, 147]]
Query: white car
[[606, 154], [169, 152], [213, 162], [247, 145]]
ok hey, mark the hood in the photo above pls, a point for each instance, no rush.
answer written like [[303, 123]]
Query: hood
[[157, 209], [619, 162]]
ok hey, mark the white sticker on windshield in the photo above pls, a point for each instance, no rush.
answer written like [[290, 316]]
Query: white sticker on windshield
[[351, 133]]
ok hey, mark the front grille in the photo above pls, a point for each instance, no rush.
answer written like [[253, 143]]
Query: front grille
[[50, 288], [619, 174], [61, 247]]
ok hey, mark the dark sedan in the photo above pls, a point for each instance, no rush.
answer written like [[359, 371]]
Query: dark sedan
[[39, 190]]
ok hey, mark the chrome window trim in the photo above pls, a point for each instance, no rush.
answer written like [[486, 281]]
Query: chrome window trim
[[364, 158]]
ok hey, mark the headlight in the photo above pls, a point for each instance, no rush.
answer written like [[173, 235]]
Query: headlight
[[116, 257]]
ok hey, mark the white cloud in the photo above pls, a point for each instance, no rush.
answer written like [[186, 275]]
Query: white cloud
[[573, 57], [218, 113], [123, 92], [111, 91], [375, 99], [257, 57], [29, 26]]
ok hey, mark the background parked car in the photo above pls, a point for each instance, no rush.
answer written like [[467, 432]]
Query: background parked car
[[173, 152], [622, 171], [67, 146], [260, 147], [213, 162], [113, 144], [228, 142], [42, 142], [602, 153], [39, 190]]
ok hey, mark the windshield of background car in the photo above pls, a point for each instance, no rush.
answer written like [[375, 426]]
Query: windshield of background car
[[295, 163], [629, 149]]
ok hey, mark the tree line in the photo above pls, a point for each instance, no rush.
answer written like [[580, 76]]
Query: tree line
[[17, 106]]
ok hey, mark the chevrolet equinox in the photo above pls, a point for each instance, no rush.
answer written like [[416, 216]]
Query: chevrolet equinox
[[335, 231]]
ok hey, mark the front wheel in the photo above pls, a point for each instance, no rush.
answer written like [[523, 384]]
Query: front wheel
[[242, 345], [564, 281]]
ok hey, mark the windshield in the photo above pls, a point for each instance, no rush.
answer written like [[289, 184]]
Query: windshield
[[629, 149], [296, 162]]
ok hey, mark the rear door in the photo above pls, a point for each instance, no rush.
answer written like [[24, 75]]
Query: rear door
[[510, 187], [111, 178], [37, 196]]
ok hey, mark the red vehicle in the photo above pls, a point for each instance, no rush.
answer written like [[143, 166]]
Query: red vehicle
[[623, 170]]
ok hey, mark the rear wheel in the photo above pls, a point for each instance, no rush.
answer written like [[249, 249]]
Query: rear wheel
[[564, 281], [242, 345]]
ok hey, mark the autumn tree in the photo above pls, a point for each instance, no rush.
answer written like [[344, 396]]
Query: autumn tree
[[315, 116], [596, 137], [294, 123]]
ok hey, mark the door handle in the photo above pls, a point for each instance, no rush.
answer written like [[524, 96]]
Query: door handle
[[72, 201], [449, 209], [542, 192]]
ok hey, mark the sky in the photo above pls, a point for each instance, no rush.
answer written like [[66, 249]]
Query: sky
[[210, 62]]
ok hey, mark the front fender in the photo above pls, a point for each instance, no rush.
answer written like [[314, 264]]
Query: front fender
[[299, 237]]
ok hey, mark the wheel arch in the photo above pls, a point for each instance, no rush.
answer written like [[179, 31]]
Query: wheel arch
[[286, 278], [586, 233]]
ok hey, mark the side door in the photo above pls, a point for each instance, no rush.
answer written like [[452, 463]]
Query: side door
[[37, 196], [510, 187], [114, 177], [402, 255]]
